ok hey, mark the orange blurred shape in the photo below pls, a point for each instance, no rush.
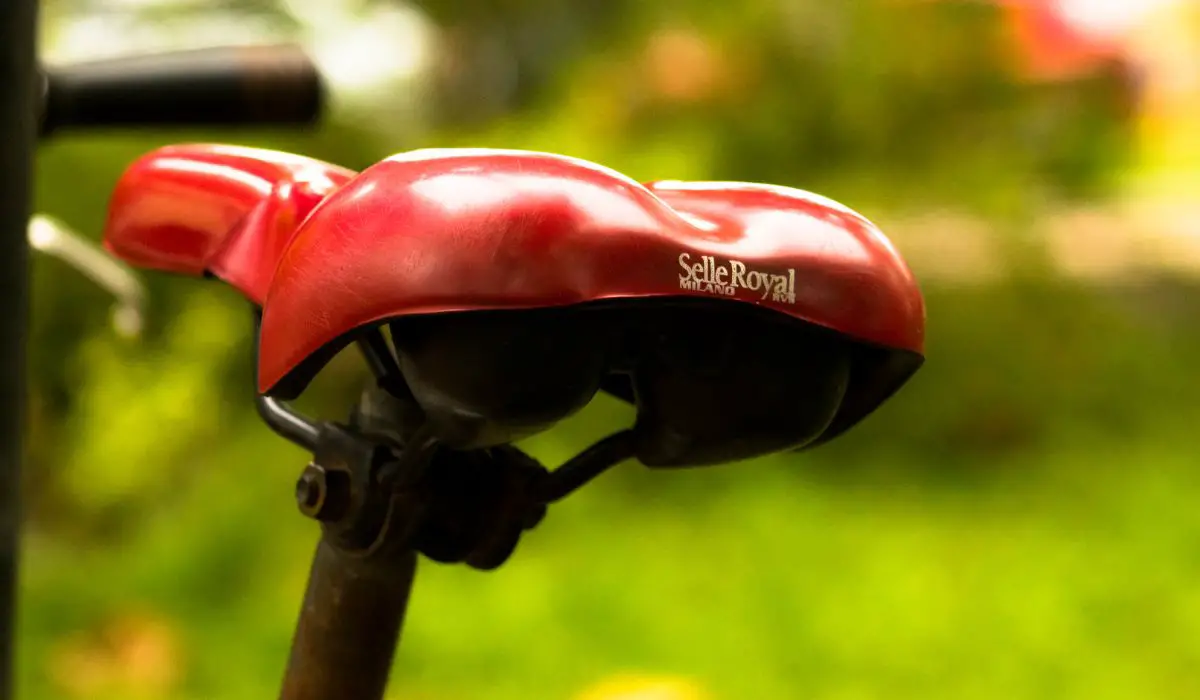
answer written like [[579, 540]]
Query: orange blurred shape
[[1051, 48], [644, 688], [682, 65], [133, 655]]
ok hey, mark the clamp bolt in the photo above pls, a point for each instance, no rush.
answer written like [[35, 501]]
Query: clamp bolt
[[311, 490]]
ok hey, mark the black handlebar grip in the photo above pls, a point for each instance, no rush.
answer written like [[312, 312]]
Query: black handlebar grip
[[231, 86]]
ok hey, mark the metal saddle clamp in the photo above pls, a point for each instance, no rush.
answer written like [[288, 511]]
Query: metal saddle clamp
[[372, 493], [382, 479]]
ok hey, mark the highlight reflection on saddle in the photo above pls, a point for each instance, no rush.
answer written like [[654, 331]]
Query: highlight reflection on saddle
[[742, 319]]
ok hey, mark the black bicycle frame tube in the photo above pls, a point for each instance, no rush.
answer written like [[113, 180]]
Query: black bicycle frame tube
[[18, 118]]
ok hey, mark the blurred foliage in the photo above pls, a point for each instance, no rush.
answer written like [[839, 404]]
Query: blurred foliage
[[1019, 522]]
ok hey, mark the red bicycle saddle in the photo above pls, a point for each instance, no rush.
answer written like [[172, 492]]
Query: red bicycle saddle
[[742, 319]]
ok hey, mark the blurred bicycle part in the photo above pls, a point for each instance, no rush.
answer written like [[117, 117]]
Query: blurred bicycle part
[[54, 238], [375, 58], [224, 86]]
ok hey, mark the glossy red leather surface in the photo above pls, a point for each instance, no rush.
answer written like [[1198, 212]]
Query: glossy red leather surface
[[225, 210], [461, 229]]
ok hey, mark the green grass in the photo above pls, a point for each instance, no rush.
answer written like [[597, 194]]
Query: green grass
[[1059, 574]]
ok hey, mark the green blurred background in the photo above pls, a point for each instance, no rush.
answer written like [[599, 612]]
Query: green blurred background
[[1020, 522]]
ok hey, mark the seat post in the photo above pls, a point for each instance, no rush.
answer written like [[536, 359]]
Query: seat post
[[349, 625]]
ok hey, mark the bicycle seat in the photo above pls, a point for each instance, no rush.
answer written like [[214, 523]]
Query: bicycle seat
[[741, 319]]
